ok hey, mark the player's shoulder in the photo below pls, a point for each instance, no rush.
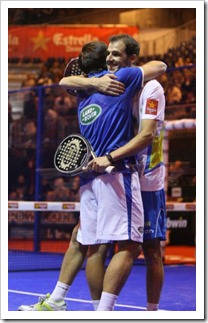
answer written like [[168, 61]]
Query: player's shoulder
[[99, 74], [153, 84], [129, 75], [128, 69]]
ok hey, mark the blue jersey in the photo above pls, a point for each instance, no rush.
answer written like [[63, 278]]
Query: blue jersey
[[105, 120]]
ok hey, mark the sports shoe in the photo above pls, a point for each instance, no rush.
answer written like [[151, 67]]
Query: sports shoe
[[45, 304]]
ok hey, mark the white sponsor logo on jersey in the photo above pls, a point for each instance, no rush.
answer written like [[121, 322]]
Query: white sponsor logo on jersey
[[90, 113]]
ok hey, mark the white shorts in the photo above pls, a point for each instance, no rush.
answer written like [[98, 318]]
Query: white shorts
[[111, 209]]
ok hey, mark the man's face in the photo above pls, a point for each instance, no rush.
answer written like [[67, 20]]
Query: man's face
[[117, 57]]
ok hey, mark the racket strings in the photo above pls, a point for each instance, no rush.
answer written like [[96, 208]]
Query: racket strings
[[73, 69], [70, 155]]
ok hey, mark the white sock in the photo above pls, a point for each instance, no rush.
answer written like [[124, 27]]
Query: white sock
[[95, 304], [107, 302], [60, 291], [152, 307]]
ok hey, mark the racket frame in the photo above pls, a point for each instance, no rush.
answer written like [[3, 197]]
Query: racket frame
[[85, 160], [72, 69], [89, 153]]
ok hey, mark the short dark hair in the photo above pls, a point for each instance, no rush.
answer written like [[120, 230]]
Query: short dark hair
[[132, 46], [93, 57]]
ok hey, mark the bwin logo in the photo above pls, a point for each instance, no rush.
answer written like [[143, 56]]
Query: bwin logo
[[148, 231], [180, 223]]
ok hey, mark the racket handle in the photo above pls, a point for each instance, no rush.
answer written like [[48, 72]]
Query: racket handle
[[110, 170]]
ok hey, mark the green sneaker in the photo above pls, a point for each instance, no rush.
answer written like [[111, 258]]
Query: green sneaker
[[45, 304]]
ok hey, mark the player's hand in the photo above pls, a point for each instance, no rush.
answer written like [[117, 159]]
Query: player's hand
[[108, 84], [98, 164]]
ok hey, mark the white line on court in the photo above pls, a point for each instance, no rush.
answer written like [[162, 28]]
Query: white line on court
[[77, 300]]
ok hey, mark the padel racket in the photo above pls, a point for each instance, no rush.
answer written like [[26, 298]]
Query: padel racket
[[73, 155], [72, 68]]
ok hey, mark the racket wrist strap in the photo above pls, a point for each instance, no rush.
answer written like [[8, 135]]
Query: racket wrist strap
[[110, 158]]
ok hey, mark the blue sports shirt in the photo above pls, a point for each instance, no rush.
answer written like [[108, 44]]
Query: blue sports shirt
[[105, 120]]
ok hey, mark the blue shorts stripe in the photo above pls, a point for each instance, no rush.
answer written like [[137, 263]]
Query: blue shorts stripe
[[128, 191]]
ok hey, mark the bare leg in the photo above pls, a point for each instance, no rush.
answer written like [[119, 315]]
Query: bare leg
[[117, 273], [162, 250], [73, 259], [95, 269], [120, 266], [155, 270]]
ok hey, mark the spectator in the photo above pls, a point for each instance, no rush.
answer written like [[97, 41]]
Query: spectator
[[30, 81], [175, 179], [13, 196], [50, 127], [56, 71], [45, 79], [75, 189], [176, 170], [16, 133], [179, 61], [48, 101], [29, 98], [45, 188], [30, 105], [63, 104], [189, 86], [173, 94], [20, 189], [60, 191], [177, 77], [29, 135]]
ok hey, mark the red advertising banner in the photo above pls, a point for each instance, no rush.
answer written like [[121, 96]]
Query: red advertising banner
[[59, 41]]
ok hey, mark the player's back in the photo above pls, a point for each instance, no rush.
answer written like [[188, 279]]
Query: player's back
[[106, 121]]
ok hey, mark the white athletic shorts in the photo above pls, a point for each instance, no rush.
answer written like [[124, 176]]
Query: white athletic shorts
[[111, 209]]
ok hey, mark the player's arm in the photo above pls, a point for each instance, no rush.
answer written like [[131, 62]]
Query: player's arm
[[153, 94], [139, 142], [153, 69], [105, 84], [143, 139]]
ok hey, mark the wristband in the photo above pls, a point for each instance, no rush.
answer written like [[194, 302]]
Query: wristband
[[110, 158]]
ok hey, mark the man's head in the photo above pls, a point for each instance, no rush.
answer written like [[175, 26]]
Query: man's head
[[93, 57], [59, 183], [122, 51]]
